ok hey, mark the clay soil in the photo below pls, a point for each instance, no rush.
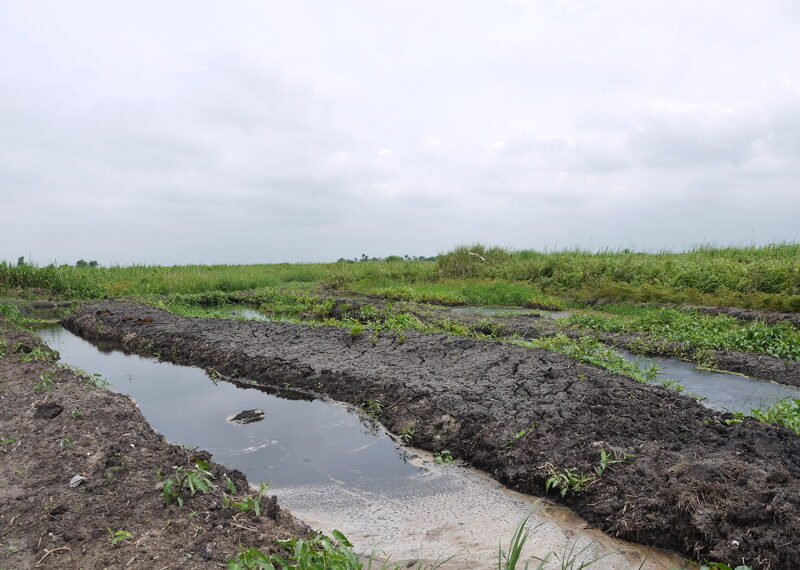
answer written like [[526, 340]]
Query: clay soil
[[758, 366], [689, 479], [53, 430]]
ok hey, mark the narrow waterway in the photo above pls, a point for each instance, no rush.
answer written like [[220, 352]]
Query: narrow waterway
[[723, 391], [334, 470]]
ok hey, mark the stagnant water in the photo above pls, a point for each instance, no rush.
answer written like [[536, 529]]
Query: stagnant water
[[723, 391], [508, 312], [334, 471]]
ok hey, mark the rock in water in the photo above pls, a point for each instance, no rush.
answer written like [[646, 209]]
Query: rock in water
[[247, 417]]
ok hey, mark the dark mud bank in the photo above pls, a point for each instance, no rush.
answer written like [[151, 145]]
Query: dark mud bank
[[757, 366], [694, 484]]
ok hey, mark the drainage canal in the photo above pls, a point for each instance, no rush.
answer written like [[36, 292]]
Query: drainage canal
[[333, 470], [723, 391]]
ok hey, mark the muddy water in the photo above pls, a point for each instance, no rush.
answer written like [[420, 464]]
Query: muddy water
[[724, 391], [333, 470], [507, 312]]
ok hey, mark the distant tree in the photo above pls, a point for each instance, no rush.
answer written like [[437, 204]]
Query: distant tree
[[20, 261], [81, 263], [93, 263], [393, 258]]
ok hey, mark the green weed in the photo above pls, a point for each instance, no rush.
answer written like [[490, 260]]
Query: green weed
[[5, 441], [319, 551], [699, 333], [118, 536], [246, 504], [372, 409], [443, 457], [406, 436], [784, 413], [183, 480], [45, 382], [568, 481], [591, 351]]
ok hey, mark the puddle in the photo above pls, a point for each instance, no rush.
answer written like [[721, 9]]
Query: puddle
[[334, 471], [248, 313], [508, 312], [724, 391]]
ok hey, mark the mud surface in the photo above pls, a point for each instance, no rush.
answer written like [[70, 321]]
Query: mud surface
[[769, 317], [530, 326], [52, 431], [694, 483]]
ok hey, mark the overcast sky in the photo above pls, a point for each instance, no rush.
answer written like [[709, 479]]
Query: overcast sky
[[225, 132]]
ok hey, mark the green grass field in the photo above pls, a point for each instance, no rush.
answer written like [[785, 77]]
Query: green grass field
[[765, 277]]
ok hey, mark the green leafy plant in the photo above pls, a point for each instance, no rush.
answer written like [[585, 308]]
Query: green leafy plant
[[607, 460], [372, 409], [406, 436], [785, 413], [248, 503], [723, 566], [75, 413], [118, 536], [45, 383], [310, 553], [38, 353], [191, 480], [443, 456], [568, 481]]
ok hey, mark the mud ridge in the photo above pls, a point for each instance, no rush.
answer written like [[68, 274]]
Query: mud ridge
[[55, 424], [692, 482]]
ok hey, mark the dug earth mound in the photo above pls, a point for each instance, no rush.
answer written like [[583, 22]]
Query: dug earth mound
[[81, 473], [642, 462]]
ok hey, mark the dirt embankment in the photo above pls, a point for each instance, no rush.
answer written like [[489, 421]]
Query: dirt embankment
[[758, 366], [54, 424], [694, 480]]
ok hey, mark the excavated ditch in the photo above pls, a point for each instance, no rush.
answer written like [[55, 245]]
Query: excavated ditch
[[708, 488]]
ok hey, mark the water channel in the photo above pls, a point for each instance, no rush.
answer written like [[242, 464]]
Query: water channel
[[333, 470]]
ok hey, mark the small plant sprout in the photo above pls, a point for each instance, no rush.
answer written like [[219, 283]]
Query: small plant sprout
[[45, 383], [606, 461], [229, 484], [248, 503], [65, 442], [372, 409], [75, 413], [189, 480], [406, 436], [356, 331], [5, 441], [443, 457], [118, 536]]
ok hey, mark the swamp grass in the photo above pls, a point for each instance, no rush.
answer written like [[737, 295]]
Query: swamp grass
[[765, 277], [695, 331]]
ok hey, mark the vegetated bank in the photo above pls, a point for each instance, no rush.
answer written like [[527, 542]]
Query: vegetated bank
[[644, 463], [56, 423], [762, 351], [765, 277]]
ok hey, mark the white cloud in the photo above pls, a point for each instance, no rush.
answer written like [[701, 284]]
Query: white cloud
[[181, 131]]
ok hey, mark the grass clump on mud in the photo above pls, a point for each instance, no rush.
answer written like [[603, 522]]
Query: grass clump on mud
[[696, 331], [592, 351]]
